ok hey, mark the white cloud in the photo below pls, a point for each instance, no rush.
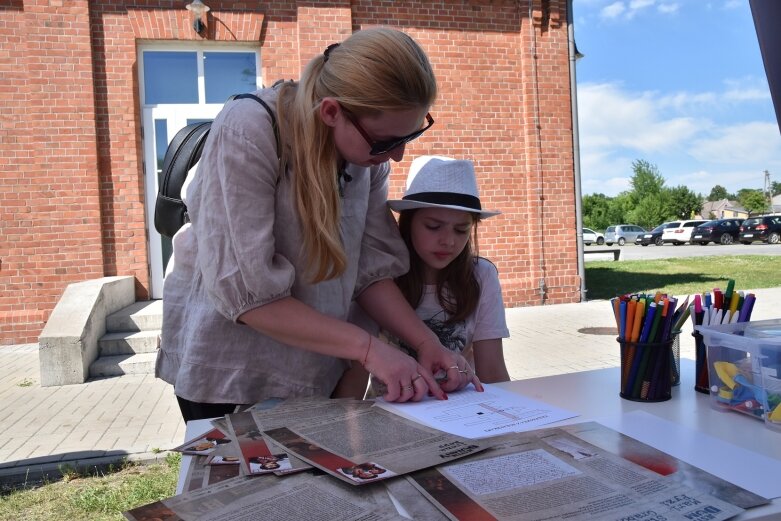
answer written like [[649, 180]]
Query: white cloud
[[738, 144], [613, 10], [640, 4], [628, 11], [610, 117], [617, 127], [746, 89]]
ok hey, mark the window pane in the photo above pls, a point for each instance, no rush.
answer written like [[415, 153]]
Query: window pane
[[170, 77], [161, 144], [227, 73]]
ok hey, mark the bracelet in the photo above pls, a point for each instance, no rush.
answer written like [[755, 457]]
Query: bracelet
[[368, 346]]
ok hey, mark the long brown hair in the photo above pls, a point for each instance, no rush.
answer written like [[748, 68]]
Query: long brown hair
[[458, 291], [372, 71]]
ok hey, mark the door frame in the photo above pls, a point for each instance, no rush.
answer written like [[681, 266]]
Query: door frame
[[176, 117]]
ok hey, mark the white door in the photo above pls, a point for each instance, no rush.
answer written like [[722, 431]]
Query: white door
[[182, 85]]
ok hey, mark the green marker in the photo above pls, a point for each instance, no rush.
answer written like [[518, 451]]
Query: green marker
[[728, 293]]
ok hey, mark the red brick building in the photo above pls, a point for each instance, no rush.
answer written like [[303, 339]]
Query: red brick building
[[78, 138]]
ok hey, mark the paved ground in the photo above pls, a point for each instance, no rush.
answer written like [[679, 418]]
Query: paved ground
[[43, 428]]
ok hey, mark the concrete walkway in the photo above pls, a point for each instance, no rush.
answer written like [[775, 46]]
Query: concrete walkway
[[43, 429]]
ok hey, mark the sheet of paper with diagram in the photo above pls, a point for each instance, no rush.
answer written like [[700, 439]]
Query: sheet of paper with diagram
[[472, 414]]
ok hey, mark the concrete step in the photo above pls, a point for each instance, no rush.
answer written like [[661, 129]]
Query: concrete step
[[144, 315], [119, 365], [128, 343]]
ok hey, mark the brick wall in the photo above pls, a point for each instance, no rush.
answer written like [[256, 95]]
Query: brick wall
[[72, 189]]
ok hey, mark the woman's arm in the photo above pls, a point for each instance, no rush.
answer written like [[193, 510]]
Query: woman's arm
[[292, 322], [489, 361], [384, 302]]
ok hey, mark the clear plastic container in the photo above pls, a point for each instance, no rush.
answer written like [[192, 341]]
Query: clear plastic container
[[744, 368]]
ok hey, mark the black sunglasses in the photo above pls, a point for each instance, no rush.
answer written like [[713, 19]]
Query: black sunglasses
[[383, 147]]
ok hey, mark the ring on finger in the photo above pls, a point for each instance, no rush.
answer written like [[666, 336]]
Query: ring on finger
[[407, 387], [454, 367]]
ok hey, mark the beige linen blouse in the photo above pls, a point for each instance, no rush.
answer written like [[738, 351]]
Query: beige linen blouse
[[242, 250]]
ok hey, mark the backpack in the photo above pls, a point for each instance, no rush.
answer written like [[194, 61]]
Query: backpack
[[182, 154]]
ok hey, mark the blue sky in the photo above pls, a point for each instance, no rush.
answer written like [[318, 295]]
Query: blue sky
[[678, 83]]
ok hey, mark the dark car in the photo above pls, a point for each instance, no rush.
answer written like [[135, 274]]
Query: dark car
[[655, 235], [720, 231], [767, 229]]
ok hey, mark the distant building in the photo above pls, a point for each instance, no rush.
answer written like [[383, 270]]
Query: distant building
[[775, 204], [722, 209]]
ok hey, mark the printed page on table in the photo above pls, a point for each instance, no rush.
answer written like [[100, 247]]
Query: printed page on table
[[299, 496], [204, 444], [369, 445], [256, 456], [275, 413], [663, 464], [550, 474], [473, 414]]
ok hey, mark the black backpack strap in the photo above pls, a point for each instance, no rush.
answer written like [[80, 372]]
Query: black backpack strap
[[274, 125]]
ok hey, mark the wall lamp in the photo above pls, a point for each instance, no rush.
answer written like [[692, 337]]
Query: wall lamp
[[198, 8]]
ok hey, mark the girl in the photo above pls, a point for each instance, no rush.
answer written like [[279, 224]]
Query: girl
[[262, 278], [456, 293]]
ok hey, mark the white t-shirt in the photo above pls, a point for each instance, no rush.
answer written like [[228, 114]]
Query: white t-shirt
[[485, 323]]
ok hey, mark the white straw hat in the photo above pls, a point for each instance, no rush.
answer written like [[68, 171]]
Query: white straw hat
[[441, 182]]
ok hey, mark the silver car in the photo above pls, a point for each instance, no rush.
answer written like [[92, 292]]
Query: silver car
[[622, 233]]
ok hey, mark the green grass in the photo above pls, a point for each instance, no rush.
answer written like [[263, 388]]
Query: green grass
[[681, 276], [101, 497]]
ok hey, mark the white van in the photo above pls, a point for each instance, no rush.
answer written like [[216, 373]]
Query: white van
[[681, 233]]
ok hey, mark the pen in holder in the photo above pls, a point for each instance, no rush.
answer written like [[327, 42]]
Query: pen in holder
[[701, 364], [648, 369]]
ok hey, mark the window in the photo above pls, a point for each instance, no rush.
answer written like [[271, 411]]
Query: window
[[228, 73], [174, 76]]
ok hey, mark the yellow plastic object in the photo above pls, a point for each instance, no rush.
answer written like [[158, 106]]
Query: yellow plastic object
[[726, 372], [725, 393], [775, 414]]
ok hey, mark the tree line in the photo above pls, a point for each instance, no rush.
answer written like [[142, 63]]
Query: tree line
[[649, 202]]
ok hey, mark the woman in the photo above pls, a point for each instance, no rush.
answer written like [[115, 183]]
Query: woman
[[262, 279]]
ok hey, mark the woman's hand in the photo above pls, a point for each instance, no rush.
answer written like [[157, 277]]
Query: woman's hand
[[404, 379], [451, 370]]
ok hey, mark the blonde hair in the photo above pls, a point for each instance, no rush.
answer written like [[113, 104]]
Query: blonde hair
[[372, 71]]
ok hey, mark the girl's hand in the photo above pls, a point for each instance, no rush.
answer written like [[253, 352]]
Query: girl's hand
[[404, 379], [452, 371]]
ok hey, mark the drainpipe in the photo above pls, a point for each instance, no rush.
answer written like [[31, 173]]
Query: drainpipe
[[573, 57]]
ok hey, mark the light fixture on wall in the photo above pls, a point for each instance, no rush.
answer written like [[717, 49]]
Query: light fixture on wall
[[197, 8]]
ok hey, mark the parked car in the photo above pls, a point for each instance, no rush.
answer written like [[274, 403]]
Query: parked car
[[681, 233], [655, 235], [720, 231], [767, 229], [622, 233], [591, 237]]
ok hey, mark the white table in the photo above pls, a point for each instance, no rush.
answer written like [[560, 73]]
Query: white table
[[594, 395]]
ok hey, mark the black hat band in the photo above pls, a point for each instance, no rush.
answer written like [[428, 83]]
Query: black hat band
[[446, 198]]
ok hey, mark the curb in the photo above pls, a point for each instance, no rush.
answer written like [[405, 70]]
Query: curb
[[38, 471]]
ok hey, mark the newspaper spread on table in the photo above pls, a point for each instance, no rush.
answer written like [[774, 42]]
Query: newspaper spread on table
[[363, 445], [298, 496], [578, 471], [550, 474]]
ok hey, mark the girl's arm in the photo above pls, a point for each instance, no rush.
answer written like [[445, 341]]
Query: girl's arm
[[292, 322], [489, 361], [384, 303]]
